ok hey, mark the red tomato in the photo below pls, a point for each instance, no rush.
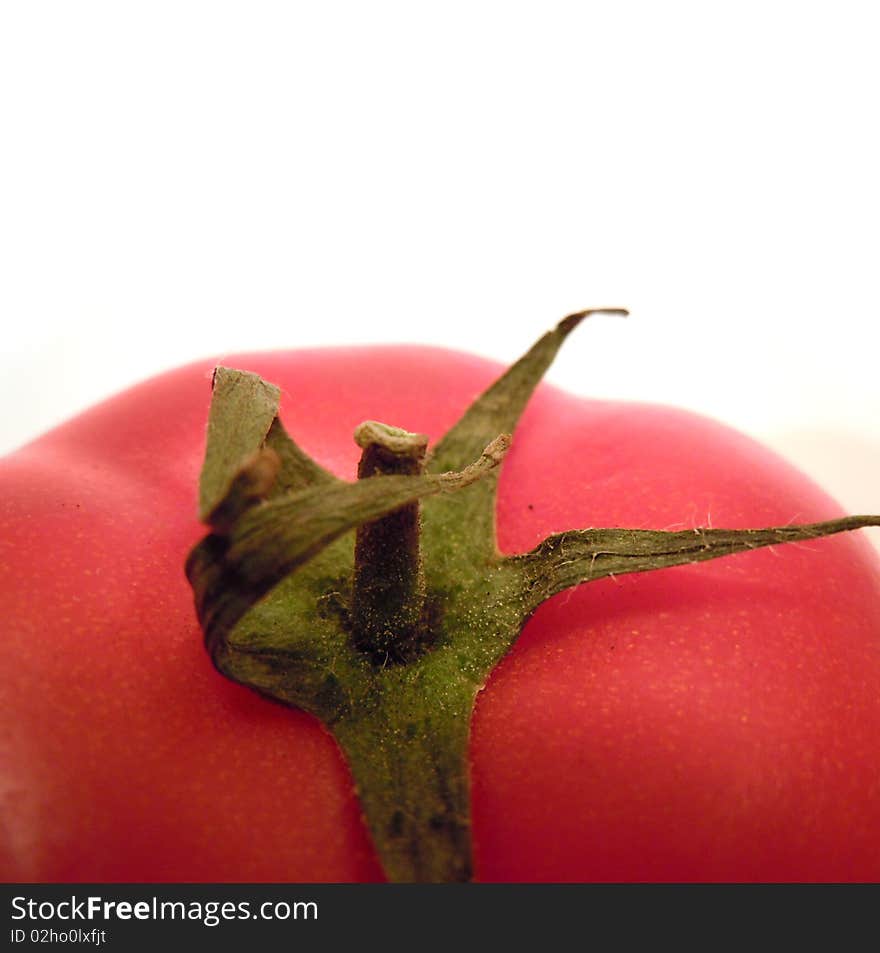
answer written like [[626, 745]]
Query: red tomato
[[711, 722]]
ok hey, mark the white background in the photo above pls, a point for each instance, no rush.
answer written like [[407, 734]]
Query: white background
[[183, 179]]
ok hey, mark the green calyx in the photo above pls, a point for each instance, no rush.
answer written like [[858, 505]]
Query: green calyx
[[382, 606]]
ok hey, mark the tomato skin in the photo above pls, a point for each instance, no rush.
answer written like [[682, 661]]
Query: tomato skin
[[710, 722]]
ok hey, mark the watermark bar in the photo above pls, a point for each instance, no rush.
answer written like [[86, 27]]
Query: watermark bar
[[250, 917]]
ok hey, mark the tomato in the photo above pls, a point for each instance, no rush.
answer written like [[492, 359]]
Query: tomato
[[718, 721]]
